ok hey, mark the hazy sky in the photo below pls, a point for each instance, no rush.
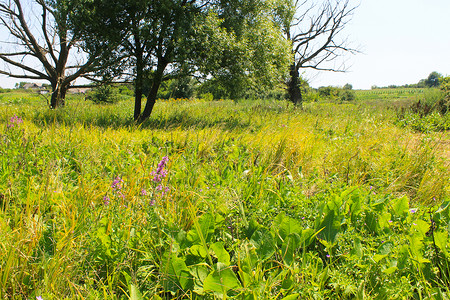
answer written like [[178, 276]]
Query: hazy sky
[[402, 41]]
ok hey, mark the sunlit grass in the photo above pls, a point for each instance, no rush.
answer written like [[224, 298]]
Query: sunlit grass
[[233, 168]]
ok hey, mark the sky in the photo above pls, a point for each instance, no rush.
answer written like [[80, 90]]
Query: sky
[[401, 42]]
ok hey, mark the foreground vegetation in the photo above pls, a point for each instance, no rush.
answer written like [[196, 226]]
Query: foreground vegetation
[[221, 199]]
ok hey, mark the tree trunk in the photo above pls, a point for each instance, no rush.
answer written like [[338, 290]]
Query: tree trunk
[[59, 91], [139, 84], [138, 93], [294, 91], [151, 98]]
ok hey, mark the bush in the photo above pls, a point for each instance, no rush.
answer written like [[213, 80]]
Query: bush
[[335, 93], [433, 100], [328, 92], [104, 94], [444, 104], [311, 95], [346, 95]]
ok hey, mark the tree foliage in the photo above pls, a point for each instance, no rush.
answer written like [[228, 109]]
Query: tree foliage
[[433, 79], [231, 41]]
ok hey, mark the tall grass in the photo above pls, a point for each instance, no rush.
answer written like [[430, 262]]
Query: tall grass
[[215, 226]]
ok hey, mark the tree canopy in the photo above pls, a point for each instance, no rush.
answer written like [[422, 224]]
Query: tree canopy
[[234, 42]]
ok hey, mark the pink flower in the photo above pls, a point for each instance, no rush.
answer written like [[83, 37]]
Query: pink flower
[[15, 120], [106, 200], [117, 183], [160, 173]]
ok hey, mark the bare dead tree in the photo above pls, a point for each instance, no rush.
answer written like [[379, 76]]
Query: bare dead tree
[[315, 36], [39, 45]]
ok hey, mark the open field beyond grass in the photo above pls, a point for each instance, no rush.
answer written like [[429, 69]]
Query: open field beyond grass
[[222, 199]]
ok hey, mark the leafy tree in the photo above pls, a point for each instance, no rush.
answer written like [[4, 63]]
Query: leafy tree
[[313, 32], [433, 79], [42, 46], [166, 39], [348, 86]]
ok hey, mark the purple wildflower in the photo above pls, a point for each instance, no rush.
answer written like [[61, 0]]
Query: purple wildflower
[[15, 120], [152, 202], [106, 200], [159, 188], [143, 192], [39, 298], [328, 255], [160, 173], [412, 211], [117, 183]]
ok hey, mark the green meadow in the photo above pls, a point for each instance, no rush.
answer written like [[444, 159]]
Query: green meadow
[[223, 200]]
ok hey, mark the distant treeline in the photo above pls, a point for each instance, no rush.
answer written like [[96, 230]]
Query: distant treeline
[[433, 80]]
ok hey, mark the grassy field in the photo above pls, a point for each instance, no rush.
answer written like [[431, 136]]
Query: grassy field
[[221, 199]]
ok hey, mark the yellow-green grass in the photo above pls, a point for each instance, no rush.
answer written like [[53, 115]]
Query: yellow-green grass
[[243, 162]]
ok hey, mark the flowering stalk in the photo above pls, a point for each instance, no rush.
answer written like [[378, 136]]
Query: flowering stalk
[[15, 120], [160, 173]]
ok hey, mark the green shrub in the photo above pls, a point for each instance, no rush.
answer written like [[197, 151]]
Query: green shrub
[[104, 94], [335, 93], [346, 95], [444, 104], [328, 92], [311, 95]]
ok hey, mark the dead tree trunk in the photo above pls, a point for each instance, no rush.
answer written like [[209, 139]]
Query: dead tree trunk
[[294, 91]]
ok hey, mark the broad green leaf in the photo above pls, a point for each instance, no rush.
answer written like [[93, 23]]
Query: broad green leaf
[[292, 297], [288, 226], [307, 237], [329, 228], [221, 254], [390, 270], [420, 227], [371, 221], [355, 206], [289, 247], [385, 248], [198, 250], [415, 246], [202, 229], [378, 257], [220, 280], [177, 274], [440, 238], [263, 242], [135, 294], [199, 273], [400, 206], [357, 248], [246, 279], [385, 220]]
